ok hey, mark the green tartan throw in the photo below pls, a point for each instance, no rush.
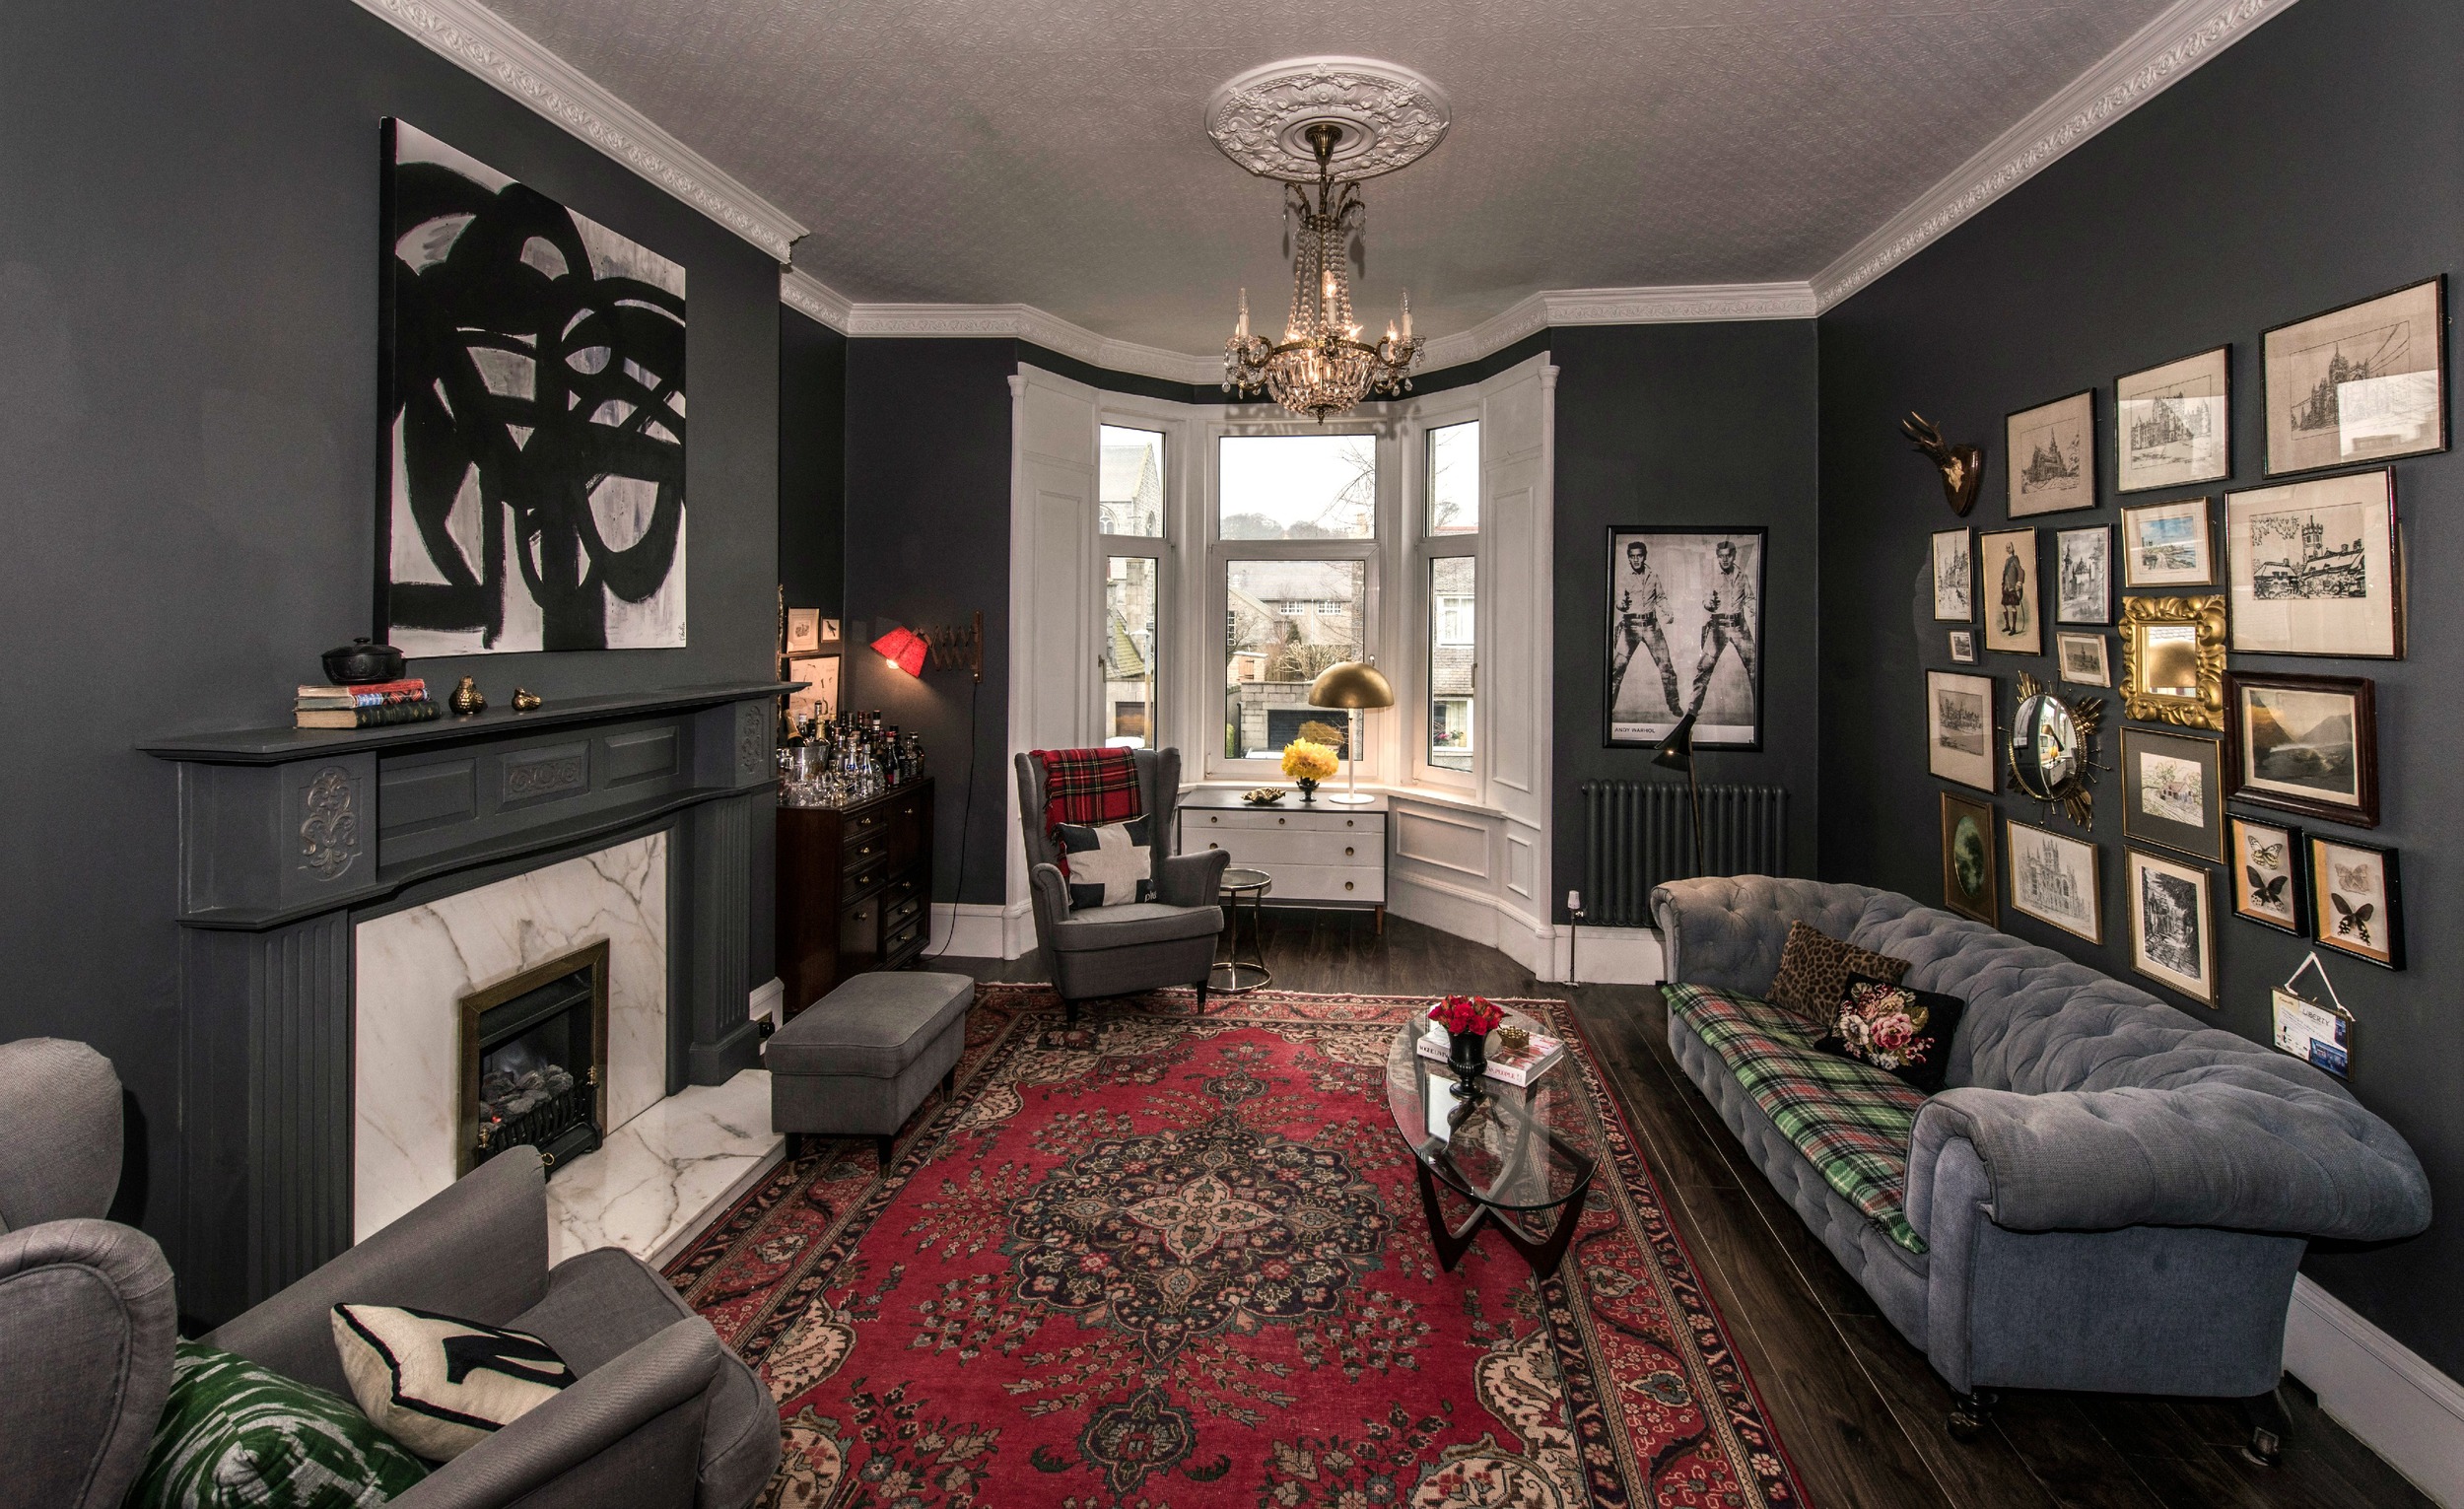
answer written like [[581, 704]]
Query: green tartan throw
[[1851, 1120], [233, 1434]]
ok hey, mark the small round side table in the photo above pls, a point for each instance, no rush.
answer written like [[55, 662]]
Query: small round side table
[[1233, 975]]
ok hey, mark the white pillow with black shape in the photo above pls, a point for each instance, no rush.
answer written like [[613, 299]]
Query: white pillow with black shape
[[1108, 863], [438, 1385]]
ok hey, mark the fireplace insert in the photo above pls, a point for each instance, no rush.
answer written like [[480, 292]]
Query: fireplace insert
[[534, 1062]]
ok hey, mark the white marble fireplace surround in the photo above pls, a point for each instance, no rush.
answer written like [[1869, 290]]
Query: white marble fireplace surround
[[412, 968]]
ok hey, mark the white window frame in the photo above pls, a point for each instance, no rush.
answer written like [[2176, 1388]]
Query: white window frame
[[1173, 421], [1206, 682], [1417, 420]]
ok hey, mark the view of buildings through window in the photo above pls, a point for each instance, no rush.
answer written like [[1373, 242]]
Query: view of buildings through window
[[1129, 490], [1286, 620], [1130, 502], [1452, 531]]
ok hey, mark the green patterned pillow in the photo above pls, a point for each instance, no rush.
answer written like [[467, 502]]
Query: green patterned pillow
[[233, 1434]]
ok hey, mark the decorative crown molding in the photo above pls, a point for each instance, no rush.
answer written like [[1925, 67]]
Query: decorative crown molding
[[800, 290], [2158, 56], [1676, 303], [1026, 322], [494, 48]]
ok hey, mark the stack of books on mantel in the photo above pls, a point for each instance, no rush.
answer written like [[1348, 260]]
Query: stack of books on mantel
[[376, 705], [1519, 1068]]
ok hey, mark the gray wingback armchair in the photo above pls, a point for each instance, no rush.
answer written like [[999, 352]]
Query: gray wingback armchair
[[87, 1312], [1130, 946]]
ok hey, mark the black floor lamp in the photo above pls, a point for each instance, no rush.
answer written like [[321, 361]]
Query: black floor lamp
[[1676, 752]]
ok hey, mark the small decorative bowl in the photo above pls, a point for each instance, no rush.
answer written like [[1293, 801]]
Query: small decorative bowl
[[1513, 1039], [1264, 797]]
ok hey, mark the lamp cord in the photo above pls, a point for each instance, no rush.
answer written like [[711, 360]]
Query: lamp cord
[[967, 815]]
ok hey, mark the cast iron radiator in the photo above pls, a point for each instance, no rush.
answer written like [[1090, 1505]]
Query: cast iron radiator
[[1635, 836]]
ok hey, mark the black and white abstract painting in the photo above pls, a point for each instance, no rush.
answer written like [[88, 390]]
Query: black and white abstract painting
[[531, 494]]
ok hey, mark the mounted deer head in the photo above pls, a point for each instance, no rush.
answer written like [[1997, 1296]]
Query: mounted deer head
[[1962, 466]]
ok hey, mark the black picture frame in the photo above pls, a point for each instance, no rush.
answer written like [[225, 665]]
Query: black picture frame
[[2086, 460], [2203, 840], [2121, 442], [2332, 926], [2240, 753], [2268, 398], [1690, 644], [2249, 881]]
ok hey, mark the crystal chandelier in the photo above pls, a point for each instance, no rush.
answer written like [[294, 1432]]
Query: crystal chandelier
[[1322, 367]]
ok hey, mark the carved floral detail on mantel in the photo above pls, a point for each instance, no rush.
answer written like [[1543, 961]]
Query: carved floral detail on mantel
[[329, 830]]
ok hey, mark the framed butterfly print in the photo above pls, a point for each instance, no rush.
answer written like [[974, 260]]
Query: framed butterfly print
[[2358, 901], [2266, 888]]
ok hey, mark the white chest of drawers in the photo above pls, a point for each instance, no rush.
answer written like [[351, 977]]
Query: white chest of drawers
[[1320, 854]]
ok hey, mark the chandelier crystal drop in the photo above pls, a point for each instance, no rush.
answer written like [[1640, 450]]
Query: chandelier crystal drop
[[1322, 367]]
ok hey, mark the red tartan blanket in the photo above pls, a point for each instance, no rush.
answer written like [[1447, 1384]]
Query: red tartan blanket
[[1087, 786]]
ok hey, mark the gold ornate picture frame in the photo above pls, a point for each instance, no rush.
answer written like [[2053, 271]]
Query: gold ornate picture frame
[[2173, 660]]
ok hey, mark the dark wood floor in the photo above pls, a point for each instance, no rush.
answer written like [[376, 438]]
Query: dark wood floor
[[1859, 1409]]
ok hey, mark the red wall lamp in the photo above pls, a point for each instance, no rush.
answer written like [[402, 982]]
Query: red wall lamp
[[948, 647]]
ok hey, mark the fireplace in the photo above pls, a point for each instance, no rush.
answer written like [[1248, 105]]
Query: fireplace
[[534, 1062]]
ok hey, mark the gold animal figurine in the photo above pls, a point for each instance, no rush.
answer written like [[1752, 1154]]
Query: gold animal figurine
[[466, 698], [525, 700], [1962, 466]]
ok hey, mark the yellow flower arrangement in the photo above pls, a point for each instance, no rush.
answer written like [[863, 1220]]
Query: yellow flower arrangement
[[1305, 762]]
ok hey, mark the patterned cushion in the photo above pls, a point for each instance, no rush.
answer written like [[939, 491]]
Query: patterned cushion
[[1814, 968], [1902, 1031], [236, 1433], [1850, 1119], [438, 1384], [1107, 863]]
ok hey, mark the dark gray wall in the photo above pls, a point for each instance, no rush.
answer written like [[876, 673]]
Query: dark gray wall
[[1706, 425], [812, 463], [2320, 161], [927, 544], [188, 257]]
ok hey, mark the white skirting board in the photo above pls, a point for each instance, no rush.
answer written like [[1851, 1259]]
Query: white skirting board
[[2374, 1386], [1609, 955], [981, 929]]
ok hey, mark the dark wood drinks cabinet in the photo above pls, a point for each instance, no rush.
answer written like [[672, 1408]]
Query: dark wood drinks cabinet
[[854, 889]]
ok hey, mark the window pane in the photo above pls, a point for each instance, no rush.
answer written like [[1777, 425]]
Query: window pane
[[1129, 486], [1455, 479], [1284, 622], [1298, 487], [1129, 651], [1451, 600]]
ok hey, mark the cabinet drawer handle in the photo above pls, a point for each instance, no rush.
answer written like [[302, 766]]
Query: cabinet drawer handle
[[1214, 819], [1347, 851], [1214, 846], [1347, 885], [1278, 822], [1347, 822]]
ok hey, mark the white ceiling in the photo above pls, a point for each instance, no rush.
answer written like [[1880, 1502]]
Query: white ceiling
[[1052, 152]]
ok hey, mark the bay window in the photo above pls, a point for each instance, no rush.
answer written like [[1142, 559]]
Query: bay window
[[1130, 506], [1448, 547]]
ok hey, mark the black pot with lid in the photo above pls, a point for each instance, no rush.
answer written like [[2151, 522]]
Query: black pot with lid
[[363, 661]]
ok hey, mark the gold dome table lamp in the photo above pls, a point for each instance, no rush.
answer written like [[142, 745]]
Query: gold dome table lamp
[[1352, 686]]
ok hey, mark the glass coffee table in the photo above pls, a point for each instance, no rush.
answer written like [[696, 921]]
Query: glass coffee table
[[1523, 1156]]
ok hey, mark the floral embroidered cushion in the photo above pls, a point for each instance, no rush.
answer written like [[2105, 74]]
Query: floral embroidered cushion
[[1814, 973], [1903, 1031]]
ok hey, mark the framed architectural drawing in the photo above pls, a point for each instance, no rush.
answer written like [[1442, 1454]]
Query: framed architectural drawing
[[2172, 423], [1954, 577], [2167, 544], [2313, 567], [2082, 659], [1684, 623], [2173, 792], [2268, 857], [2357, 900], [1969, 872], [531, 387], [2053, 879], [2361, 383], [1959, 727], [2172, 934], [2014, 612], [2082, 575], [2050, 454], [2306, 744], [1963, 647]]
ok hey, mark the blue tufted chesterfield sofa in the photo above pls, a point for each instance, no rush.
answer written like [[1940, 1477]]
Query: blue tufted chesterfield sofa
[[2111, 1195]]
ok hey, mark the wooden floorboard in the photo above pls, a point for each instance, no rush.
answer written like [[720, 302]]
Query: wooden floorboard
[[1859, 1409]]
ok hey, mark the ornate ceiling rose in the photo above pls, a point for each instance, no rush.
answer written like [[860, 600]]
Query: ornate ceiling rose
[[1390, 117]]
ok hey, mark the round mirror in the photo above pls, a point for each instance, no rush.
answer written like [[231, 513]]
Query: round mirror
[[2045, 752]]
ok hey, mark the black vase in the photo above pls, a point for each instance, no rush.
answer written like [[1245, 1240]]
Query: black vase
[[1467, 1053]]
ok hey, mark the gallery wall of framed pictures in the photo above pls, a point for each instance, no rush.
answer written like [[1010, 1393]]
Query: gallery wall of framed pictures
[[2159, 601]]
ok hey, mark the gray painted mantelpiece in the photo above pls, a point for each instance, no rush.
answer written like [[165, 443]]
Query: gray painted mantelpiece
[[289, 838]]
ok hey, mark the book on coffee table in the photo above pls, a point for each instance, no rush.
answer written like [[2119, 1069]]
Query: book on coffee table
[[1537, 1056]]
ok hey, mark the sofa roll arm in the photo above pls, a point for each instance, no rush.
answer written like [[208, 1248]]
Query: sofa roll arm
[[666, 1371], [1191, 880], [2207, 1154], [477, 1248], [1726, 931]]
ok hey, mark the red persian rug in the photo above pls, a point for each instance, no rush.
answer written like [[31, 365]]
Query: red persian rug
[[1176, 1262]]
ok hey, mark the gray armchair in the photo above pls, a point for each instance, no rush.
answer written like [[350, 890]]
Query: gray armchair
[[662, 1416], [1130, 946], [86, 1313]]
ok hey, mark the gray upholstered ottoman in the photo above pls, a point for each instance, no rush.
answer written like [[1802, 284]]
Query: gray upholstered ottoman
[[861, 1060]]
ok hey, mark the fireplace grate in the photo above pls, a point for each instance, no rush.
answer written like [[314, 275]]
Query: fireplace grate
[[534, 1062]]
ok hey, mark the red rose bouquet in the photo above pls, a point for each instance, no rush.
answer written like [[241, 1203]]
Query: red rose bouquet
[[1466, 1013]]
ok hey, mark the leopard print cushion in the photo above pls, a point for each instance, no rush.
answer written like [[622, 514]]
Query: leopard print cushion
[[1814, 973]]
